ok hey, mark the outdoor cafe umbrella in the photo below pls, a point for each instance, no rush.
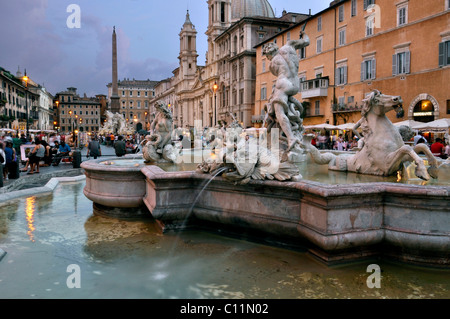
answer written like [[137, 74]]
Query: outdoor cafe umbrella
[[409, 123], [346, 126], [324, 126], [439, 126]]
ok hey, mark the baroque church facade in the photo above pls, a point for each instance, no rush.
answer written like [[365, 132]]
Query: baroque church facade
[[223, 89]]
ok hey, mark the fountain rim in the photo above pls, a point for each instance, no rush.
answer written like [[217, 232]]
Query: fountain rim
[[156, 173]]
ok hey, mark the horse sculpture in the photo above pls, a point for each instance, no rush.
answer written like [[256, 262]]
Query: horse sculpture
[[384, 151]]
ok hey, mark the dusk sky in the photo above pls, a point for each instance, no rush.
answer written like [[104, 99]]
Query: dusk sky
[[35, 36]]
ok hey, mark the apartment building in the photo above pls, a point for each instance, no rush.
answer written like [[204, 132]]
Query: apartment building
[[398, 47]]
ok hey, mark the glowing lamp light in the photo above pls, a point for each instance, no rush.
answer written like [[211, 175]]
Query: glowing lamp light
[[215, 87]]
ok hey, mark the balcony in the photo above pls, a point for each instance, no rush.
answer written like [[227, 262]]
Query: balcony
[[345, 108], [257, 119], [314, 88]]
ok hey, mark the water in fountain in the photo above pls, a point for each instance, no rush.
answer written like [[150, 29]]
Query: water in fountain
[[131, 259]]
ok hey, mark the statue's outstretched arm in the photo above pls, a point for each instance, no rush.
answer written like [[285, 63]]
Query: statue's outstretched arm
[[300, 43]]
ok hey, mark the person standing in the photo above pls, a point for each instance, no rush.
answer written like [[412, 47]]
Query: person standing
[[3, 160], [10, 159], [94, 149]]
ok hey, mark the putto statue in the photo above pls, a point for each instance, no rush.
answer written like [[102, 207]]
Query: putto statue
[[384, 151], [116, 124], [283, 109], [158, 146]]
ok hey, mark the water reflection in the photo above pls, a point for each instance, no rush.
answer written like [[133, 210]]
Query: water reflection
[[30, 209]]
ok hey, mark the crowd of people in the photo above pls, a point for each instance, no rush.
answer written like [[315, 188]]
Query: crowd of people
[[340, 142], [345, 142], [52, 149]]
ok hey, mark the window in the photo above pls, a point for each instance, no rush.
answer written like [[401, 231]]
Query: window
[[354, 5], [341, 13], [341, 75], [146, 93], [302, 53], [263, 93], [401, 63], [447, 4], [341, 100], [444, 53], [369, 26], [264, 65], [319, 45], [241, 96], [350, 100], [367, 3], [319, 24], [131, 93], [139, 93], [402, 15], [288, 36], [222, 12], [139, 104], [317, 107], [342, 36], [448, 106], [368, 70]]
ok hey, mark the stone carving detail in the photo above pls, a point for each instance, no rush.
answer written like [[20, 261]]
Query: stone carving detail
[[241, 160], [383, 152], [116, 124], [158, 146]]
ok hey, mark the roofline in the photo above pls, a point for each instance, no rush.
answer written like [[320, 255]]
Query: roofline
[[334, 6], [254, 19]]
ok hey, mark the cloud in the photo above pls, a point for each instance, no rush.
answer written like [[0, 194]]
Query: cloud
[[28, 39]]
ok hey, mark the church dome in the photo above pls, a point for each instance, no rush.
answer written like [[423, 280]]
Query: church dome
[[251, 8]]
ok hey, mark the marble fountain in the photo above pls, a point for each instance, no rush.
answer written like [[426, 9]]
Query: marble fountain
[[383, 200]]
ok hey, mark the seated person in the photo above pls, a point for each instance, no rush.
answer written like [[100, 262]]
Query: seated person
[[64, 150], [130, 147]]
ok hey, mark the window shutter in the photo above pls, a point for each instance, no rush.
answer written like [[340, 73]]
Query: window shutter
[[365, 4], [363, 65], [408, 62], [345, 75], [394, 64], [374, 69], [336, 77], [441, 54]]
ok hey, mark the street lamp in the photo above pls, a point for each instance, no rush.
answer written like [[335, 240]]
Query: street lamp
[[215, 87], [25, 79]]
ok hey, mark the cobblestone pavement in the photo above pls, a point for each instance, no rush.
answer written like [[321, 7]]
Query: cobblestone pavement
[[46, 173]]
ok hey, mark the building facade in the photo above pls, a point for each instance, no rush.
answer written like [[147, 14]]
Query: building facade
[[19, 101], [72, 112], [134, 100], [398, 47], [224, 88]]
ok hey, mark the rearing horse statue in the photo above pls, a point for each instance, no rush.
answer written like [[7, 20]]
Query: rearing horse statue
[[384, 151]]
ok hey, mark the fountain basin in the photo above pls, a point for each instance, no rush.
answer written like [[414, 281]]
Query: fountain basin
[[336, 222], [116, 186]]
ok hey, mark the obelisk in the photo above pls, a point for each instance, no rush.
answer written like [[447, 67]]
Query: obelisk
[[115, 100]]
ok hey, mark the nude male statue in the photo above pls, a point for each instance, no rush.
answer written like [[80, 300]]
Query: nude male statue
[[284, 63]]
